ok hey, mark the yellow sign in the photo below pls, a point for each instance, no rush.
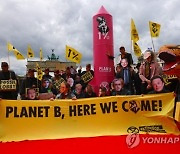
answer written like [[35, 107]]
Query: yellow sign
[[45, 119], [56, 83], [7, 85], [41, 54], [39, 72], [87, 77], [167, 78], [18, 55], [134, 32], [154, 29], [137, 49], [10, 47], [73, 55], [30, 52]]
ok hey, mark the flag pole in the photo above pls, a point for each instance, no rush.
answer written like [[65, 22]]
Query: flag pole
[[9, 60], [152, 44], [132, 47]]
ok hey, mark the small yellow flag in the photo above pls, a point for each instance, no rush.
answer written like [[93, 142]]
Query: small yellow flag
[[39, 72], [154, 29], [30, 52], [18, 55], [10, 47], [73, 55], [41, 54], [137, 50], [134, 32]]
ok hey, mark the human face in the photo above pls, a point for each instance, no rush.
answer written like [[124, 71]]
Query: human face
[[118, 85], [46, 72], [31, 94], [122, 50], [149, 59], [70, 81], [4, 68], [63, 88], [78, 89], [124, 63], [46, 84], [101, 93], [158, 85], [88, 68], [31, 74]]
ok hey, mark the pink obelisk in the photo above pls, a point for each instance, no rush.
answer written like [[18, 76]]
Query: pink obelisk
[[103, 49]]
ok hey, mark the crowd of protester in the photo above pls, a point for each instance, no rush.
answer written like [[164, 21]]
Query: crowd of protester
[[68, 84]]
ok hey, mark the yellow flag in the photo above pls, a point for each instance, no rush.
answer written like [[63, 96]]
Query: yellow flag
[[154, 29], [73, 55], [41, 54], [30, 52], [134, 32], [10, 47], [39, 72], [137, 50], [18, 55]]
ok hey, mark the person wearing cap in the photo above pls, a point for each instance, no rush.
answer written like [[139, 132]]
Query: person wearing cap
[[6, 74], [29, 82], [148, 68]]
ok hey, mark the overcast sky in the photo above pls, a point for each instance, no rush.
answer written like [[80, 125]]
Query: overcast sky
[[52, 24]]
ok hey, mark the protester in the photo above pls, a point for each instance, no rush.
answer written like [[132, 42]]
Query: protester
[[46, 74], [65, 92], [73, 70], [119, 89], [47, 90], [157, 83], [78, 91], [137, 81], [149, 68], [88, 71], [118, 71], [56, 81], [102, 92], [46, 86], [31, 94], [128, 75], [6, 74], [124, 54], [29, 82], [70, 81], [89, 92], [68, 74]]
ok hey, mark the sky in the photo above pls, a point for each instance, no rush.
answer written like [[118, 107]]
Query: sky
[[53, 24]]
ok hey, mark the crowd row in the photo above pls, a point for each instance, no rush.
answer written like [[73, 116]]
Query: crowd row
[[70, 85]]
